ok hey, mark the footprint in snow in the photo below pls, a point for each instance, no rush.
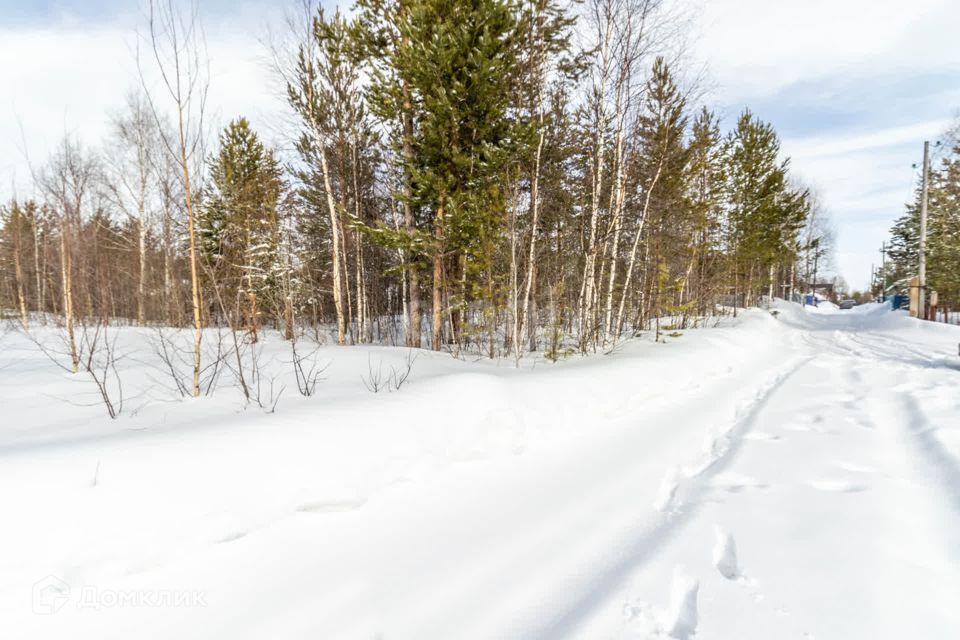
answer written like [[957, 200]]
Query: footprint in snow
[[858, 422], [642, 620], [814, 427], [236, 535], [735, 483], [838, 486], [725, 554], [667, 493], [839, 398], [680, 620], [761, 436], [853, 467], [331, 506]]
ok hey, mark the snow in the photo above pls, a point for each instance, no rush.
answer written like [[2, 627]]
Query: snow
[[725, 554], [794, 475]]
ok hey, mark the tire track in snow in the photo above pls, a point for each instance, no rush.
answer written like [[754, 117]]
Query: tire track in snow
[[931, 451], [680, 503], [927, 447], [691, 479], [925, 462]]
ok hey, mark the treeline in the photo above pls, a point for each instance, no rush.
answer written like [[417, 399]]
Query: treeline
[[465, 174], [943, 230]]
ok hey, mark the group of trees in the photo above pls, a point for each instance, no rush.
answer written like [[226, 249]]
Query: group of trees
[[494, 176], [943, 230]]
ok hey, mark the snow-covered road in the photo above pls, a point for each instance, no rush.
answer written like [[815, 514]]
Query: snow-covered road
[[788, 477], [836, 514]]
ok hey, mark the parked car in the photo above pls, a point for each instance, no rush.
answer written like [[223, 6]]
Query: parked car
[[848, 304]]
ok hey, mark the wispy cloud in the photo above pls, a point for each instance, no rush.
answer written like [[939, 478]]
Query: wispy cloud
[[854, 87], [67, 77]]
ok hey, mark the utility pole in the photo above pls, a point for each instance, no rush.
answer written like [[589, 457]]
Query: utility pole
[[883, 271], [922, 275], [816, 257]]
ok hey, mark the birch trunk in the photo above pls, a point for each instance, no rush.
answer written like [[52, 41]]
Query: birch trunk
[[589, 266], [436, 329], [65, 269], [194, 274], [527, 318], [41, 297], [617, 207], [142, 281], [358, 253], [335, 239], [413, 277], [633, 251], [18, 274], [514, 287]]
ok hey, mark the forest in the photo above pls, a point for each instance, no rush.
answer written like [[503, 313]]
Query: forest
[[486, 177], [943, 231]]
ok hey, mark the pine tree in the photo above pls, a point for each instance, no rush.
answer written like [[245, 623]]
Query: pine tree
[[765, 213], [943, 248], [659, 165], [457, 65], [238, 226], [943, 233], [15, 226], [904, 249], [339, 152], [706, 268]]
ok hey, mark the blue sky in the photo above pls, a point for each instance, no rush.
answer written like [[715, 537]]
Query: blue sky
[[34, 13], [853, 86]]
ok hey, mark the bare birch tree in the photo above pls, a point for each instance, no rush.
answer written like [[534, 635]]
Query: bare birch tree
[[130, 180], [67, 182], [176, 42]]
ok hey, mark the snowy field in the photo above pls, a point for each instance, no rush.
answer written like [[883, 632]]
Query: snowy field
[[781, 476]]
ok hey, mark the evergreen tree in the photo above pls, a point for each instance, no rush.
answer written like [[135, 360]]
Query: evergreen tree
[[664, 169], [765, 213], [238, 225], [943, 233], [706, 201], [904, 249], [16, 227], [458, 67], [339, 155], [657, 208], [943, 249]]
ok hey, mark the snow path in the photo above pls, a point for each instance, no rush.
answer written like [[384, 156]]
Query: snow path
[[788, 478], [856, 531]]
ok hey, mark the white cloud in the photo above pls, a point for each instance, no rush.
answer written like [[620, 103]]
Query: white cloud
[[69, 79], [757, 47], [822, 146], [867, 69]]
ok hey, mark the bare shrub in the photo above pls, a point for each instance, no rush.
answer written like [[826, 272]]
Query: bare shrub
[[307, 370], [375, 380]]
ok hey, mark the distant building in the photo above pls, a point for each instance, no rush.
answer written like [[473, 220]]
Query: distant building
[[823, 290]]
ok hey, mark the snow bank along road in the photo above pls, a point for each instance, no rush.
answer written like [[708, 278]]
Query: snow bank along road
[[794, 476]]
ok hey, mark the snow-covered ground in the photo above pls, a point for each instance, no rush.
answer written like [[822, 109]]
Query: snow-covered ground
[[788, 476]]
